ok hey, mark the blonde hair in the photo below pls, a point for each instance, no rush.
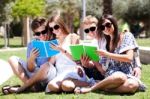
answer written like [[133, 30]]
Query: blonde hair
[[89, 20]]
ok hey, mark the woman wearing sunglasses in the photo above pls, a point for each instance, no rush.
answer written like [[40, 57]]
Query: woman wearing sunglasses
[[118, 58], [68, 73], [36, 72]]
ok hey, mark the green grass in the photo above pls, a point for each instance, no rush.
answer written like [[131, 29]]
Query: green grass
[[13, 42], [143, 42], [92, 95], [16, 42], [6, 54]]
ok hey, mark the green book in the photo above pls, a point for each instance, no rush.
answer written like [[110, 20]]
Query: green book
[[78, 50]]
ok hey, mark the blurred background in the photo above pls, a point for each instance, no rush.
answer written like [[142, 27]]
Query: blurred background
[[16, 16]]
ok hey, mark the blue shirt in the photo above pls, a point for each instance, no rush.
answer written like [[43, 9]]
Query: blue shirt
[[38, 61]]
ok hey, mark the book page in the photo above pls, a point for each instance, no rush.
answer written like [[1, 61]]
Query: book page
[[40, 46], [77, 51], [44, 48], [91, 53], [51, 52]]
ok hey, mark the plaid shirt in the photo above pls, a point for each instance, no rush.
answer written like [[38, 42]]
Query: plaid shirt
[[113, 65]]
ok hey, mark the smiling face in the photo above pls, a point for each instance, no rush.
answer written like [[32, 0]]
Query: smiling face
[[107, 27], [90, 30], [55, 28], [41, 33]]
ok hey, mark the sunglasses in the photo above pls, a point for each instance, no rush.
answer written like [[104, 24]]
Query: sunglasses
[[107, 25], [56, 27], [90, 29], [39, 33]]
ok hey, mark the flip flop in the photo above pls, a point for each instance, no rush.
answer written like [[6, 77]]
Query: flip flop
[[6, 89]]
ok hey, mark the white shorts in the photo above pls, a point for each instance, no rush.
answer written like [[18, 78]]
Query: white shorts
[[74, 74]]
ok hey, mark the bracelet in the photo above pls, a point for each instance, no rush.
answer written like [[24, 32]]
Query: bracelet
[[65, 51]]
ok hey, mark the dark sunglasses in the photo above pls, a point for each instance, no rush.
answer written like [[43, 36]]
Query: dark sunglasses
[[108, 25], [90, 29], [39, 33], [56, 27]]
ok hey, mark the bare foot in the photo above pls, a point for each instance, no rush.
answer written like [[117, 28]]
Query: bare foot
[[81, 90]]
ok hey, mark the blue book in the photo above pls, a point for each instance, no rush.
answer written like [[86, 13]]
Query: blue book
[[44, 48]]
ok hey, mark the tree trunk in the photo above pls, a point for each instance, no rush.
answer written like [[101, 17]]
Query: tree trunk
[[26, 31], [107, 7]]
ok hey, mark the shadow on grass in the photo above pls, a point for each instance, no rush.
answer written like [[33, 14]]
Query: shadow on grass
[[12, 46], [112, 93]]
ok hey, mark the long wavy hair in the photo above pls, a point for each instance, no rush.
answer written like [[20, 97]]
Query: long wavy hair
[[101, 35]]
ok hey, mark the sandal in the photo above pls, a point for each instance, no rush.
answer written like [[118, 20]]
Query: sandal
[[7, 89]]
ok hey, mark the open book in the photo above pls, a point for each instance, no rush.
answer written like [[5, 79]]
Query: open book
[[78, 50], [44, 48]]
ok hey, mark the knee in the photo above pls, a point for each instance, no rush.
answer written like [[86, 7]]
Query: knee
[[132, 87], [119, 77], [53, 87], [11, 59], [44, 71], [67, 86]]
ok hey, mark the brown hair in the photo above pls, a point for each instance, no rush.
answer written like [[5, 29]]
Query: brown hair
[[37, 22], [58, 20], [100, 34]]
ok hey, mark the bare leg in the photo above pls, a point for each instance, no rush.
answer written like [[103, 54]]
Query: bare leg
[[69, 84], [54, 86], [130, 86], [17, 69], [113, 81], [39, 76]]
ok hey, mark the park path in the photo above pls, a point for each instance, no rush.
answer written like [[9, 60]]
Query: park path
[[5, 71]]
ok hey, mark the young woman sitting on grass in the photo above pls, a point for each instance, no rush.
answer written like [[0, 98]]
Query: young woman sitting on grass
[[118, 59]]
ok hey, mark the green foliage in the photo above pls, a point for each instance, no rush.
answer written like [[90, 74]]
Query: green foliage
[[95, 8], [133, 11], [24, 8], [68, 9], [5, 8]]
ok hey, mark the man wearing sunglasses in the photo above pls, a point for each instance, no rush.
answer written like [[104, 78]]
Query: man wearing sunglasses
[[36, 72]]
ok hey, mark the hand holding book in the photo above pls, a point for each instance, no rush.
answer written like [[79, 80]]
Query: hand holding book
[[34, 53], [45, 48], [78, 50]]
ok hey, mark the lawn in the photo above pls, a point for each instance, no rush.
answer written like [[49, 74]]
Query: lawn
[[13, 42], [143, 42], [93, 95], [16, 42]]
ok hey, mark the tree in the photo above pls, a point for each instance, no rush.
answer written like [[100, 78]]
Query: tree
[[134, 11], [24, 9], [69, 9], [5, 18], [95, 9], [107, 7]]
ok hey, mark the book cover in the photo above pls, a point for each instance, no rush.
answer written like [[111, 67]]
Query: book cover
[[78, 50], [44, 48]]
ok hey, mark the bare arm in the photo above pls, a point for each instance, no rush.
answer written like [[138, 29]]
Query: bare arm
[[127, 57], [99, 68], [31, 60]]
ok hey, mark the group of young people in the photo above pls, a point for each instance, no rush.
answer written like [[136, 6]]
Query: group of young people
[[119, 68]]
